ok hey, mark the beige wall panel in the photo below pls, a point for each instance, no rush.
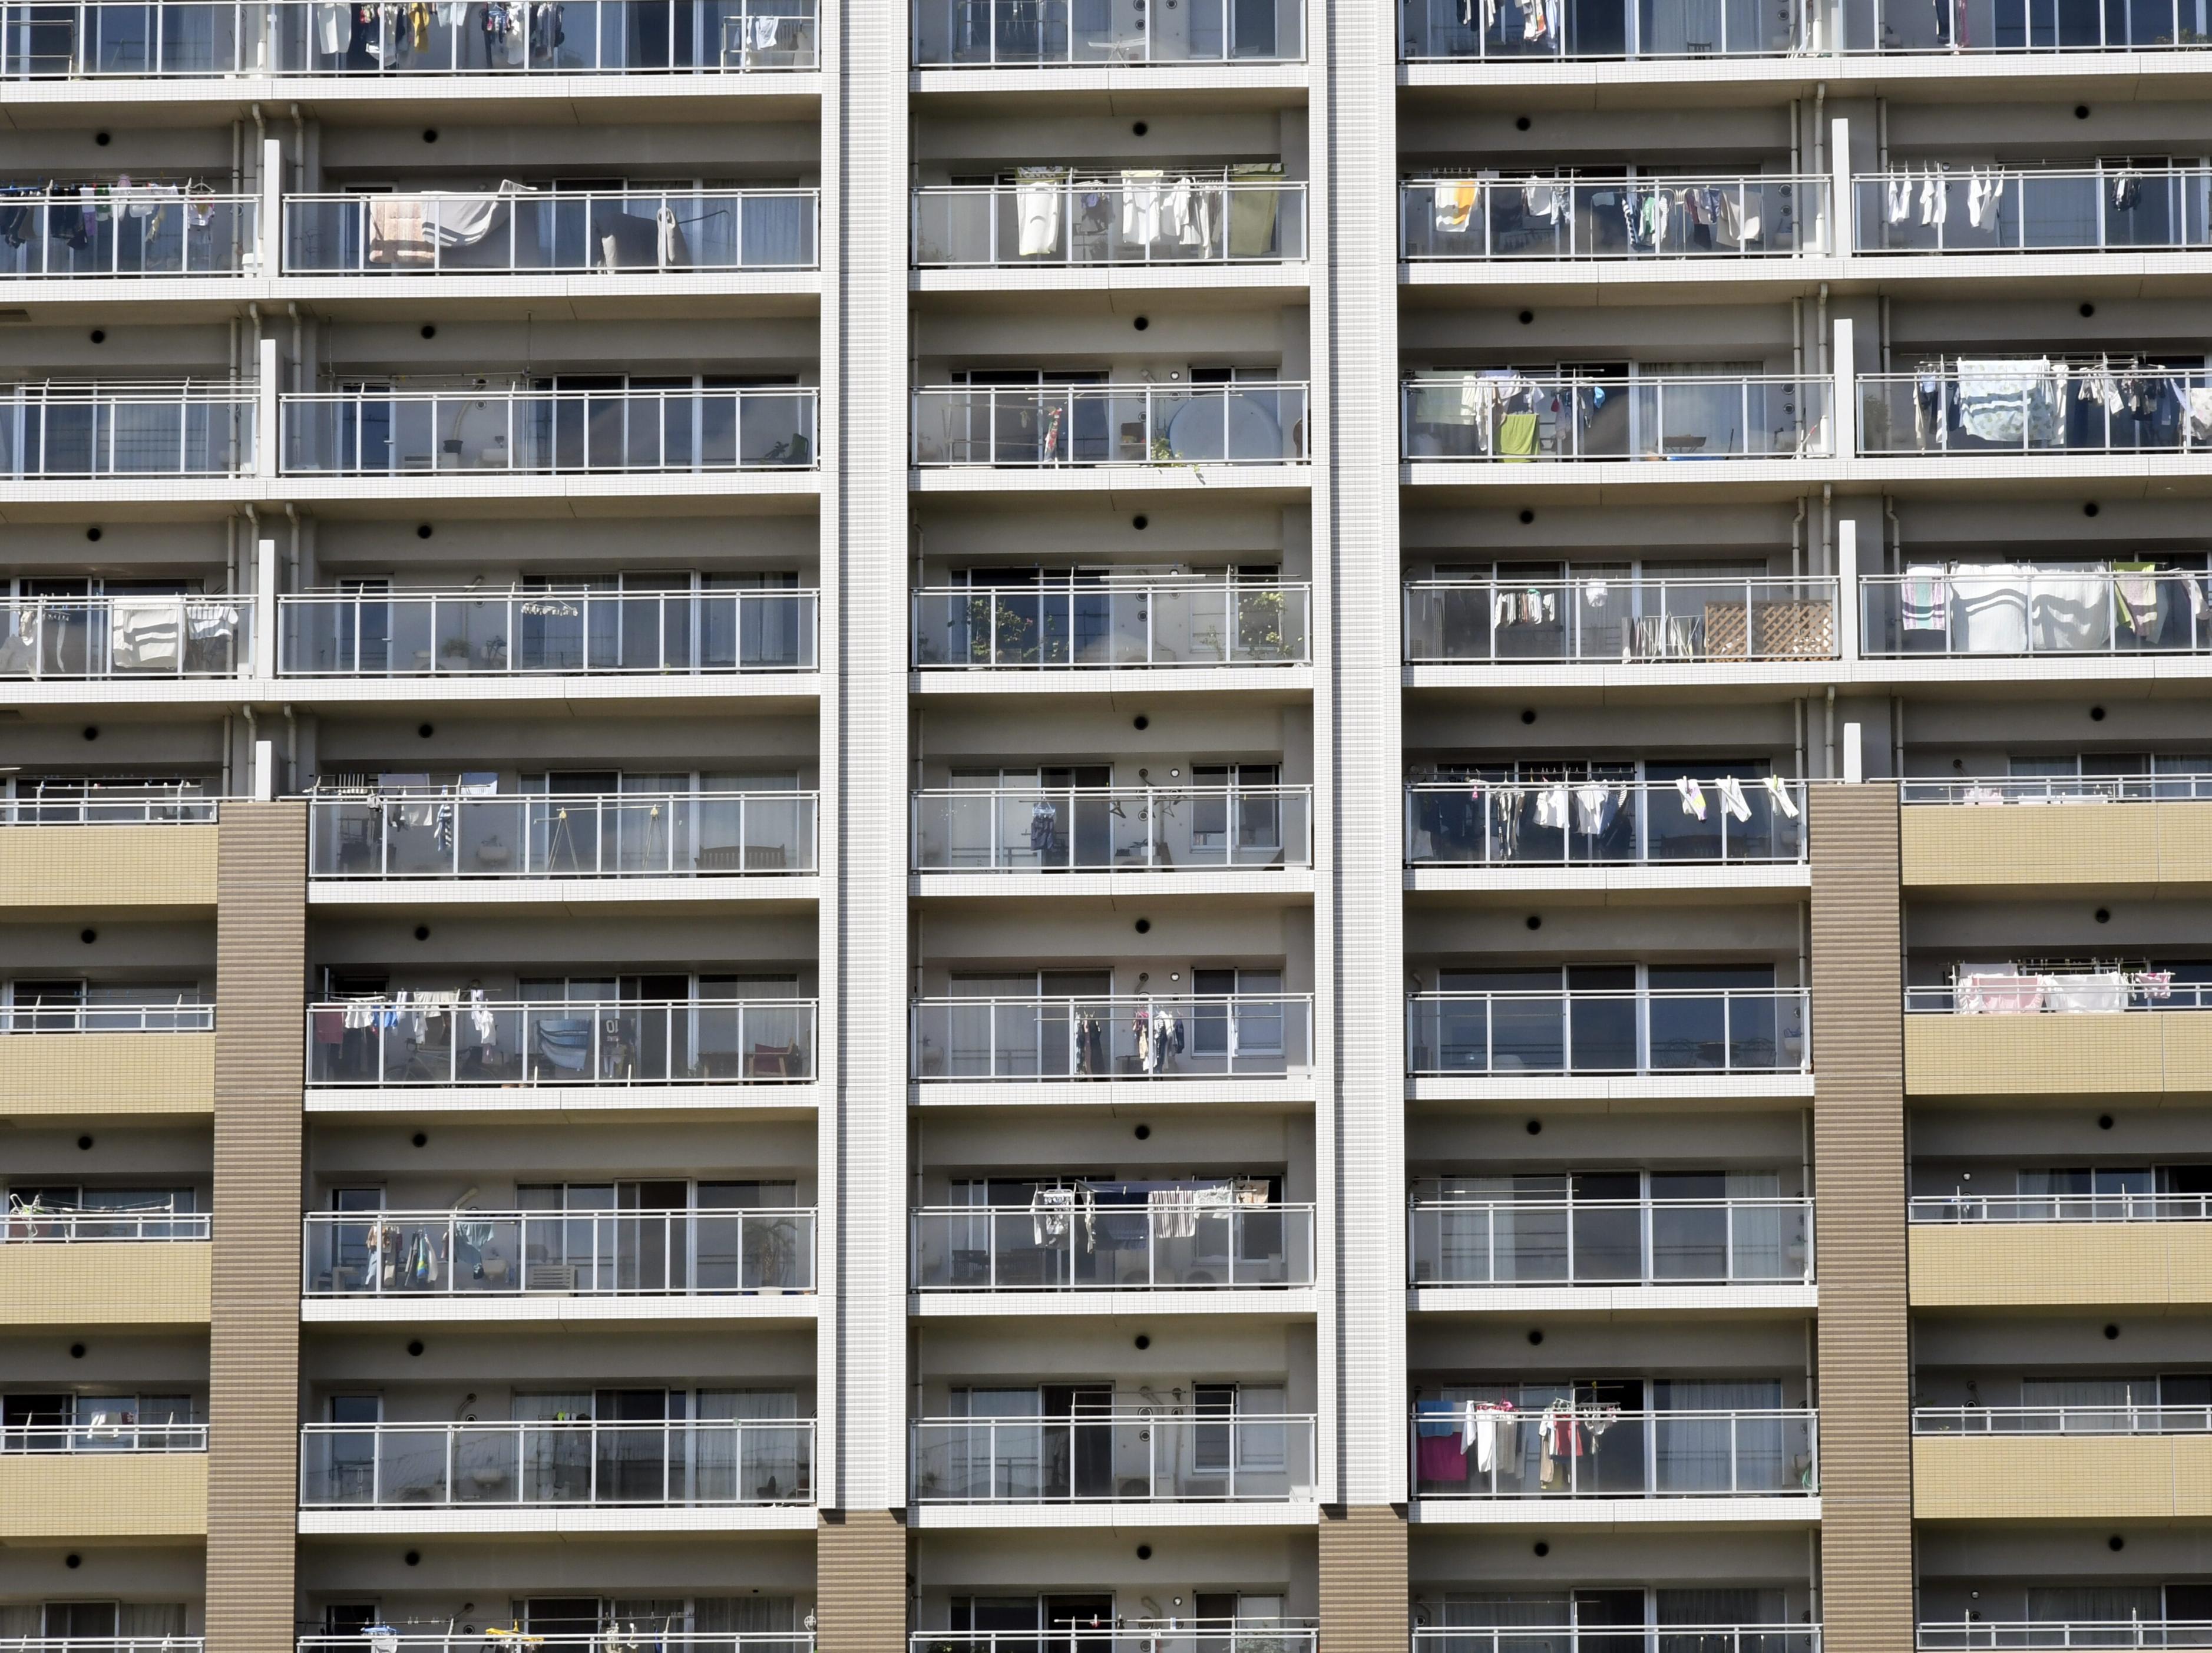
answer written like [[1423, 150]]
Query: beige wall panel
[[1964, 847], [2074, 1478], [1858, 1124], [1364, 1592], [2062, 1265], [108, 866], [126, 1495], [253, 1346], [2042, 1055], [50, 1074], [163, 1283], [859, 1585]]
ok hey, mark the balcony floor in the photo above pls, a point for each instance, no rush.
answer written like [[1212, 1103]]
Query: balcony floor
[[1618, 1302], [1279, 1094], [547, 1307], [1292, 1303], [793, 891], [1299, 1512], [1614, 1092], [486, 1519], [551, 1102], [1777, 1511]]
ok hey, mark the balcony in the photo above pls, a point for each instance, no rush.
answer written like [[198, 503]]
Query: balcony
[[520, 232], [481, 1467], [1644, 622], [1132, 1458], [1659, 1638], [1113, 1247], [1590, 1451], [1732, 1030], [2101, 1421], [2010, 611], [1603, 825], [136, 230], [71, 1059], [2138, 832], [1187, 625], [2056, 1250], [1506, 417], [555, 632], [1112, 829], [433, 1043], [476, 1256], [1175, 1635], [1067, 34], [1069, 222], [107, 431], [2060, 1635], [2012, 405], [191, 39], [1156, 1040], [124, 1019], [1612, 1242], [2030, 1466], [61, 1270], [522, 432], [1081, 427], [1447, 31], [1764, 215], [103, 1478], [102, 1435], [2076, 1032], [62, 639], [70, 804], [89, 847], [34, 1225], [618, 1639], [618, 838], [2099, 210]]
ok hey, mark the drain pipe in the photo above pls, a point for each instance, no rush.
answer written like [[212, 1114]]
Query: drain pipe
[[1828, 529], [299, 362], [1798, 542], [1832, 734], [292, 557], [1821, 334]]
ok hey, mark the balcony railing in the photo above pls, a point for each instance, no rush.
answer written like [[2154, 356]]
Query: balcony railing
[[442, 1042], [1108, 829], [108, 1018], [1603, 823], [1737, 1242], [104, 1643], [96, 432], [1760, 215], [1072, 221], [188, 635], [682, 1463], [1066, 33], [1509, 418], [379, 432], [1058, 426], [1604, 622], [93, 804], [31, 1225], [2116, 1207], [416, 634], [2120, 1420], [629, 836], [1982, 790], [2012, 608], [2083, 992], [205, 38], [1103, 627], [1167, 1244], [1135, 1635], [1974, 209], [1657, 1638], [2008, 406], [103, 1433], [1114, 1458], [1958, 26], [2036, 1635], [1259, 1035], [130, 229], [417, 1254], [1458, 30], [1720, 1030], [1604, 1452], [509, 232], [627, 1637]]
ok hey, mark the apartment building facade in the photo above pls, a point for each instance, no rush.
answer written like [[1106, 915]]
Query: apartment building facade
[[1152, 826]]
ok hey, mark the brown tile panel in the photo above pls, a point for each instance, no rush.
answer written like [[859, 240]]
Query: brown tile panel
[[1858, 1060], [121, 1284], [254, 1342], [1365, 1597], [107, 866], [54, 1075], [124, 1495], [2057, 1478], [2062, 1265], [859, 1584]]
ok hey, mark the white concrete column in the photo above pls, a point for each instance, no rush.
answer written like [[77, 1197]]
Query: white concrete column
[[265, 610], [1843, 216], [270, 230], [1847, 590], [1844, 387], [265, 409]]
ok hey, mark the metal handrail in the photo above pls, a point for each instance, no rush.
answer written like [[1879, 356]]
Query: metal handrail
[[97, 805], [1042, 34], [1248, 422], [1137, 1635], [1682, 416], [1548, 1244], [1583, 1468], [559, 1461], [417, 633], [103, 1643], [1187, 626], [1974, 1635], [520, 431], [507, 1043], [2121, 1418], [2012, 609], [2010, 404], [563, 835], [2111, 992], [1654, 1638], [461, 232], [1959, 1209], [628, 1636], [31, 1225], [130, 231], [1719, 1029], [1603, 824], [2031, 209], [1078, 1248], [1111, 829], [1739, 215], [1719, 618], [1158, 1038], [190, 634], [1448, 30], [472, 1253], [2059, 789], [1149, 1456], [107, 1018], [1069, 220], [93, 432], [102, 1436]]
